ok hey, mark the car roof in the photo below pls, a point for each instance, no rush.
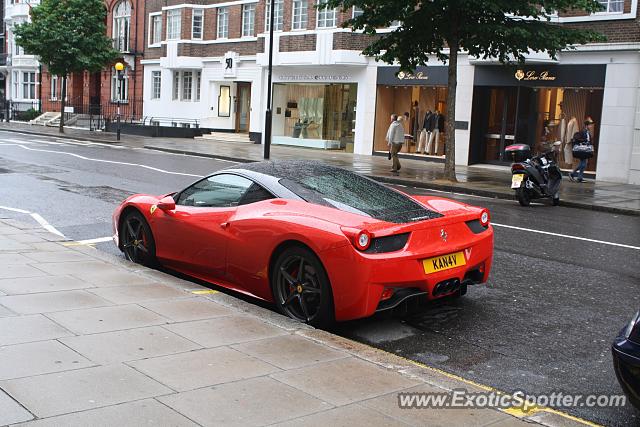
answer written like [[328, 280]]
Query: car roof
[[288, 169]]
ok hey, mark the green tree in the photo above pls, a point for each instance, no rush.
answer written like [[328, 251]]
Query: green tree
[[67, 36], [505, 30]]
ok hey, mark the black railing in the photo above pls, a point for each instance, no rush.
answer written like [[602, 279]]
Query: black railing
[[20, 110]]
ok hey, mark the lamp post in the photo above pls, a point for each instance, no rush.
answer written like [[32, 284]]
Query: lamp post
[[268, 118], [119, 69]]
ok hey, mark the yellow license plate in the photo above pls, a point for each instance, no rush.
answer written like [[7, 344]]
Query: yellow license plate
[[444, 262], [516, 180]]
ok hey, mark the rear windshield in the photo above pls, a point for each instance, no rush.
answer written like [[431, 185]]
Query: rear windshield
[[353, 193]]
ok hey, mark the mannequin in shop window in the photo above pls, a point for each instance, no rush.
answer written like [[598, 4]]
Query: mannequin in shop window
[[425, 134], [438, 126], [572, 128]]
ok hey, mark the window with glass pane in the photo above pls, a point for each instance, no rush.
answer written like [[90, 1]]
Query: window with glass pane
[[248, 20], [187, 85], [612, 6], [156, 29], [357, 11], [224, 101], [198, 84], [173, 24], [224, 190], [119, 89], [326, 16], [121, 25], [156, 88], [28, 85], [176, 85], [223, 23], [300, 15], [196, 24], [54, 88], [278, 15]]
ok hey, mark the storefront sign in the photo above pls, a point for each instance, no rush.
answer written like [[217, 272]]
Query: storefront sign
[[230, 64], [532, 75], [314, 77], [424, 76], [587, 75]]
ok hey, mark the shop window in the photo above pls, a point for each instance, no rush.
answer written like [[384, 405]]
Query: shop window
[[224, 101]]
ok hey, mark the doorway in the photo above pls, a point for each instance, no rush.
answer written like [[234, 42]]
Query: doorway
[[243, 107]]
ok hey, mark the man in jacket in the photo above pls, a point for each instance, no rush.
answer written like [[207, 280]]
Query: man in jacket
[[395, 139], [586, 137]]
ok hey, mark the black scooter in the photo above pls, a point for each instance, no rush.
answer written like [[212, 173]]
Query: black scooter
[[534, 177]]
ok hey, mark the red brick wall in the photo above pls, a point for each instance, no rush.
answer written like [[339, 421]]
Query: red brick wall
[[302, 42]]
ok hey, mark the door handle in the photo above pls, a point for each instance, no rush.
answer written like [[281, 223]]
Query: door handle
[[225, 225]]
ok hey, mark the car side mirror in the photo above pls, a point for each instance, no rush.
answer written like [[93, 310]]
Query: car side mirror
[[167, 204]]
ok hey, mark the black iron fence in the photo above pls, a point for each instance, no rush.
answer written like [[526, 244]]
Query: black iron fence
[[20, 110]]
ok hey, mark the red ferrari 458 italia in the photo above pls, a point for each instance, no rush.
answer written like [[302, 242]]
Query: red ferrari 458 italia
[[321, 242]]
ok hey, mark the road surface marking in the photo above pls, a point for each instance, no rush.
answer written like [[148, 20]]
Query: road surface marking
[[566, 236], [96, 240], [105, 161], [205, 292], [43, 223]]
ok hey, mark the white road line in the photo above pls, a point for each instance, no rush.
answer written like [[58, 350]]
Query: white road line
[[106, 161], [94, 241], [50, 228], [566, 236]]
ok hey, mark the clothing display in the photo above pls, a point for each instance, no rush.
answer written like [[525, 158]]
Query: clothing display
[[422, 141], [572, 128]]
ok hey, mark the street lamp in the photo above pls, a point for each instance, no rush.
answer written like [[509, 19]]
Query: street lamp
[[119, 70], [268, 118]]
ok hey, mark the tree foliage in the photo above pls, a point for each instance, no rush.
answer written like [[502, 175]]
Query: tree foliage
[[503, 30], [67, 36]]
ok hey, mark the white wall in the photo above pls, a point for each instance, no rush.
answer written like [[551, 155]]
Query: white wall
[[464, 104]]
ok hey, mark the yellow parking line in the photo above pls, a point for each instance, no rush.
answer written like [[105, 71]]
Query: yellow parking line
[[515, 411], [205, 292]]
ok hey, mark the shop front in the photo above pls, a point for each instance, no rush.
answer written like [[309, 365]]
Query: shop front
[[535, 105], [315, 110], [420, 98]]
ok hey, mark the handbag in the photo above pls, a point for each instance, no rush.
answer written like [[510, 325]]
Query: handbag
[[582, 151], [389, 156]]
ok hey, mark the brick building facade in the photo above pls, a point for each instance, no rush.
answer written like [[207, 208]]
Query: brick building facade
[[205, 62], [98, 93]]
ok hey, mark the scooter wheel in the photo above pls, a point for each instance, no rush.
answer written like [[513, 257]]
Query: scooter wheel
[[523, 197], [556, 199]]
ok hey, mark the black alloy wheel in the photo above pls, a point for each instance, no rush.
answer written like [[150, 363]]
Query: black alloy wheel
[[301, 288], [137, 241]]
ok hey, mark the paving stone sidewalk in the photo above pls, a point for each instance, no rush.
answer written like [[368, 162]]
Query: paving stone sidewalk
[[89, 339], [482, 180]]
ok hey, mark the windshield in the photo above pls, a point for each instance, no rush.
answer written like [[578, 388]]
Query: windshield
[[354, 193]]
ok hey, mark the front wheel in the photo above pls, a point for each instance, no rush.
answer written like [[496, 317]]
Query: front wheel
[[523, 196], [301, 288], [138, 244]]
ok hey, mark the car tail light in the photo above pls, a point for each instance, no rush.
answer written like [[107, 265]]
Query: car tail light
[[363, 240], [484, 218], [517, 167]]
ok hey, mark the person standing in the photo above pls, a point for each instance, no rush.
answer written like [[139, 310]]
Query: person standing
[[395, 139], [586, 137]]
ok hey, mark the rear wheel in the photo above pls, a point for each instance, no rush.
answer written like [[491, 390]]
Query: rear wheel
[[137, 241], [523, 196], [301, 288]]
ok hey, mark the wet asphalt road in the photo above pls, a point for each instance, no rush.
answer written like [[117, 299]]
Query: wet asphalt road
[[543, 323]]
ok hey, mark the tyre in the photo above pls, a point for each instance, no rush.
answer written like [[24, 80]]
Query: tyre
[[556, 199], [523, 197], [138, 244], [301, 288]]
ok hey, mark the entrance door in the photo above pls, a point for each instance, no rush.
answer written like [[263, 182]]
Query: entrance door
[[243, 107]]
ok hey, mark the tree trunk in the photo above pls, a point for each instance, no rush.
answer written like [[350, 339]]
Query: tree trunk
[[63, 102], [450, 147]]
